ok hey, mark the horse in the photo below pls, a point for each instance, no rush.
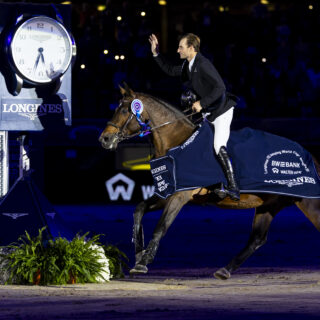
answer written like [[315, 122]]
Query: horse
[[170, 128]]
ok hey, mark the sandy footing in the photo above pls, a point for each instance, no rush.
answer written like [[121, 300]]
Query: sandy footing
[[251, 293]]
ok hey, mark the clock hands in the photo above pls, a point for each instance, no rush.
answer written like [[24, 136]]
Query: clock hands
[[36, 64], [40, 56]]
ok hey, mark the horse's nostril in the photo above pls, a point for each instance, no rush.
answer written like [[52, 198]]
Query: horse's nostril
[[103, 139]]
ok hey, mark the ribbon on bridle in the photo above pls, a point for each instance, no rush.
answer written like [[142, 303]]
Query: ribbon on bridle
[[145, 129]]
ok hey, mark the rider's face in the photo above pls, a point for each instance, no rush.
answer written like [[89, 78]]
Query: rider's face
[[183, 49]]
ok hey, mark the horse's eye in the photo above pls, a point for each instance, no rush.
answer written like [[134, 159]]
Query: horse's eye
[[124, 110]]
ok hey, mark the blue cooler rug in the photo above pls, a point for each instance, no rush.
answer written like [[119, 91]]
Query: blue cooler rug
[[262, 162]]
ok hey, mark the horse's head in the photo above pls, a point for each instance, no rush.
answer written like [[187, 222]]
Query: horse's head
[[123, 123]]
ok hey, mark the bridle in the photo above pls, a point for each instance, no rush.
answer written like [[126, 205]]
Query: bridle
[[120, 134], [144, 127]]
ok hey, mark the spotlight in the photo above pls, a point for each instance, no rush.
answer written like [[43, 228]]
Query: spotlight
[[119, 18], [117, 57], [83, 66], [101, 7], [105, 51], [162, 2], [143, 14], [264, 60], [310, 7], [122, 57], [221, 8]]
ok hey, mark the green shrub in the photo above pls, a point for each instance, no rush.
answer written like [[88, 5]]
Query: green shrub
[[59, 261], [117, 260]]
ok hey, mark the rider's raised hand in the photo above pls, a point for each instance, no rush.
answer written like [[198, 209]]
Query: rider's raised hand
[[154, 44]]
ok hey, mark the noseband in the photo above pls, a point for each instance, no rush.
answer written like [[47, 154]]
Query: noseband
[[120, 134]]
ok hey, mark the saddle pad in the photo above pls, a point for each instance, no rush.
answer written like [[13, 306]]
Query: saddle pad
[[262, 162]]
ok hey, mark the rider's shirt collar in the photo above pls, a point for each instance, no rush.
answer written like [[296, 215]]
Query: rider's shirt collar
[[191, 62]]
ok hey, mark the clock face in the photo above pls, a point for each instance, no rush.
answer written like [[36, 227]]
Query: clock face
[[41, 49]]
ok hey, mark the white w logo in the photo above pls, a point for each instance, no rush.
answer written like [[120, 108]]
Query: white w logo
[[147, 191], [114, 193]]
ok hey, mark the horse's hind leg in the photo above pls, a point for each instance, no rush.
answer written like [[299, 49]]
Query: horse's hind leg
[[172, 208], [261, 223], [311, 209], [151, 204]]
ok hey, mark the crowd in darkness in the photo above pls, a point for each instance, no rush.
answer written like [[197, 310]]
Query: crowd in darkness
[[268, 55]]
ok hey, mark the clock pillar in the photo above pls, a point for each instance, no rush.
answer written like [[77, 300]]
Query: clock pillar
[[26, 111]]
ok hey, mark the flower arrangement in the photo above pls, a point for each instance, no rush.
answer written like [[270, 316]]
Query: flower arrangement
[[35, 260]]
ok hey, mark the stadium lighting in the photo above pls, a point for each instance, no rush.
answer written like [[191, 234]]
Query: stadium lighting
[[162, 2], [101, 7]]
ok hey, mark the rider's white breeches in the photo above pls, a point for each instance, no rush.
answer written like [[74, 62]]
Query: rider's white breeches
[[222, 129]]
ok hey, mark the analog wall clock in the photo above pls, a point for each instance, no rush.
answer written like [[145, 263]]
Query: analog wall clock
[[39, 50]]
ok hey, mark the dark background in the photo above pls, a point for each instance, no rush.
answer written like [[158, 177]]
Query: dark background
[[280, 95]]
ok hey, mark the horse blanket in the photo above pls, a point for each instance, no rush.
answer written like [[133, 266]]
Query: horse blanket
[[262, 162]]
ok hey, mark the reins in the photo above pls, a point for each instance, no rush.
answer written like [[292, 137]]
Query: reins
[[123, 137]]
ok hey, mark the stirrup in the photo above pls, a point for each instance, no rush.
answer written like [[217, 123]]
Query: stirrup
[[224, 192], [234, 194], [221, 192]]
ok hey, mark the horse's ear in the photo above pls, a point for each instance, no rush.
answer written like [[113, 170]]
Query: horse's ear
[[128, 90], [122, 90]]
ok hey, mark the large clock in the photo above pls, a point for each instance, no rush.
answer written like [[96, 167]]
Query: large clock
[[39, 50]]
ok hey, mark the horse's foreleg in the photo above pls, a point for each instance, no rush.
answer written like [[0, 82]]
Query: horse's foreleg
[[151, 204], [261, 223], [172, 207]]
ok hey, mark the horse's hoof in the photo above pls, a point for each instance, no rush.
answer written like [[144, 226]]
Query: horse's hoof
[[222, 274], [139, 269]]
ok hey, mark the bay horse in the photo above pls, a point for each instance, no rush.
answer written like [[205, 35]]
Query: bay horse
[[170, 128]]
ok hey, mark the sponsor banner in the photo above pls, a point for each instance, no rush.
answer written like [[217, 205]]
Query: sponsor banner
[[287, 167], [33, 114], [164, 182], [121, 188]]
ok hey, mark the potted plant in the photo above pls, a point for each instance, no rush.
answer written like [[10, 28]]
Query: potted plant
[[24, 259], [59, 261], [117, 260]]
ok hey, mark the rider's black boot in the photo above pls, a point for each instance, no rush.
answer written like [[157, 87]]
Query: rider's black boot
[[232, 189]]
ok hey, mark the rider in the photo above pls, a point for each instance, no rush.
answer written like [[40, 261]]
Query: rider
[[198, 74]]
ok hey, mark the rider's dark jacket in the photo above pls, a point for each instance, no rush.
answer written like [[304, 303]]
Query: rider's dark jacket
[[205, 81]]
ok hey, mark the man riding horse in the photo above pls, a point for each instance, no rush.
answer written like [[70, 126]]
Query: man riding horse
[[199, 75]]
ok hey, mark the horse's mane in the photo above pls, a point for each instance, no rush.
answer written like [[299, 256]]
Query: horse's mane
[[176, 112]]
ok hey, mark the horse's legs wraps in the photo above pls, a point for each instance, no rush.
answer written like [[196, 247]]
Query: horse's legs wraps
[[151, 204], [171, 210], [258, 237]]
